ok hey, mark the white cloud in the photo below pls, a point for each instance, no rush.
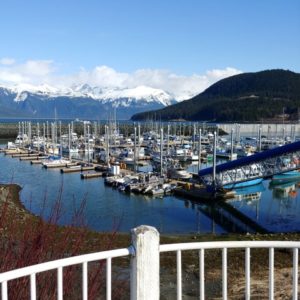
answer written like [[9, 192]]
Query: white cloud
[[37, 68], [7, 61], [181, 87]]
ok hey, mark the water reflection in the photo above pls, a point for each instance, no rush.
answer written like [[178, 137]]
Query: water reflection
[[273, 207], [106, 208], [285, 191]]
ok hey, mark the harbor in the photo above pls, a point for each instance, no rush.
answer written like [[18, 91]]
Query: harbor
[[124, 189]]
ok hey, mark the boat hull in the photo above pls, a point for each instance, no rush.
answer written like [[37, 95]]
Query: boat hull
[[243, 184], [286, 177]]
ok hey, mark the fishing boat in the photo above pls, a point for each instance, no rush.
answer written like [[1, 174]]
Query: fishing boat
[[178, 172]]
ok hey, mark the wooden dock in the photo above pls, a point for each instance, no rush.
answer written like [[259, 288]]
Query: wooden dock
[[33, 157], [91, 175], [200, 193], [73, 169], [19, 155], [60, 165], [36, 162]]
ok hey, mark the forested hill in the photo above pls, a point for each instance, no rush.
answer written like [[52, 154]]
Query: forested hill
[[247, 97]]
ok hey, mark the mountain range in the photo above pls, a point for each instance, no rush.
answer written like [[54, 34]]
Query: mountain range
[[81, 101], [249, 97]]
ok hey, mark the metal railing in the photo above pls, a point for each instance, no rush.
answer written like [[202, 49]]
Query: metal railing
[[32, 271], [144, 271], [224, 246]]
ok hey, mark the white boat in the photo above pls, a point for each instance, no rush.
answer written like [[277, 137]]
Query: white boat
[[54, 161], [52, 151], [11, 146], [226, 153], [177, 172], [21, 139], [267, 144], [157, 191], [128, 160], [73, 149]]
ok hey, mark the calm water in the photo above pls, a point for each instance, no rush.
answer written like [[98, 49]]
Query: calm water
[[105, 207], [275, 208]]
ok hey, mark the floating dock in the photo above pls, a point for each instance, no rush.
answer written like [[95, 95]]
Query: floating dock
[[60, 165], [91, 175], [36, 162], [19, 155], [33, 157], [73, 169], [201, 194]]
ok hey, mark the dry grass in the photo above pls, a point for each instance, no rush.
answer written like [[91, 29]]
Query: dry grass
[[27, 239]]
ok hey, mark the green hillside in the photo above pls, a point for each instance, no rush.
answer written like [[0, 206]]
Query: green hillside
[[248, 97]]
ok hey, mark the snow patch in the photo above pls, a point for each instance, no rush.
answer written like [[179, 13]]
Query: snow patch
[[21, 97]]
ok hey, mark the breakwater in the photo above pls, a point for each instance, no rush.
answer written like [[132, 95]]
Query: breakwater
[[272, 129]]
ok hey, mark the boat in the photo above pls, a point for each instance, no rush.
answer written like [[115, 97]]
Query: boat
[[226, 153], [183, 154], [286, 177], [21, 139], [243, 184], [177, 172], [267, 144], [12, 146], [53, 161], [242, 179], [157, 191], [73, 149]]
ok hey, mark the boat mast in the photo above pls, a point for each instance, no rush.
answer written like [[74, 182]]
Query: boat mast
[[69, 127], [135, 167], [161, 151], [231, 145], [88, 133], [214, 160], [199, 150]]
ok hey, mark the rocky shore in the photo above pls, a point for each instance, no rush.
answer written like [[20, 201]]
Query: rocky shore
[[11, 207]]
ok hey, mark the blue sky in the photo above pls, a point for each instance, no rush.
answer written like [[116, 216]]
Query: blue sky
[[184, 37]]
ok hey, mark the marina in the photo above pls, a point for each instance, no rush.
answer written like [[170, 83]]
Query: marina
[[159, 186], [150, 150]]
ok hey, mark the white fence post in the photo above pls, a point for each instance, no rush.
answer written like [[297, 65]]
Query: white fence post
[[144, 276]]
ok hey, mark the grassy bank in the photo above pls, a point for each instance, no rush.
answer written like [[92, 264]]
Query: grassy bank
[[27, 239]]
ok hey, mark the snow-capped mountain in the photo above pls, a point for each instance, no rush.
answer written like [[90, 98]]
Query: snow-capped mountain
[[140, 93], [83, 99]]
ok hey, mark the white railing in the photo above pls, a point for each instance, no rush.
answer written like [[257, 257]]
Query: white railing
[[144, 272], [32, 271], [247, 245]]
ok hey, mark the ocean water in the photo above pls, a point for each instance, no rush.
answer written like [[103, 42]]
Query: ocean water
[[276, 208], [105, 208]]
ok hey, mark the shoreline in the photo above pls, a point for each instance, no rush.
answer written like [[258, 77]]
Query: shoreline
[[14, 200], [98, 241]]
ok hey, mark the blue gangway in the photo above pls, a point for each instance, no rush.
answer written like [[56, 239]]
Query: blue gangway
[[260, 165]]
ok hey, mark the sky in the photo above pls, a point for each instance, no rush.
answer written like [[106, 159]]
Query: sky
[[180, 46]]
